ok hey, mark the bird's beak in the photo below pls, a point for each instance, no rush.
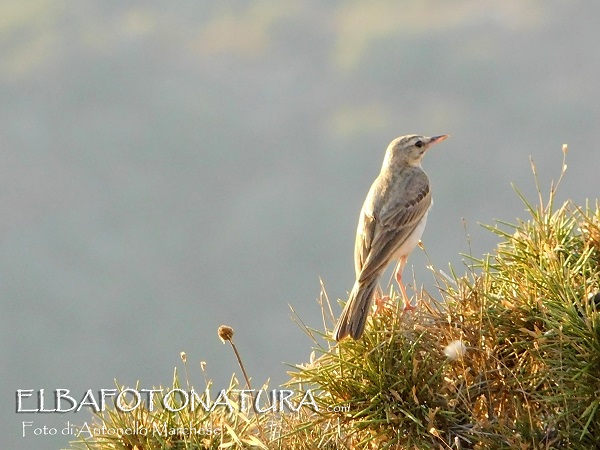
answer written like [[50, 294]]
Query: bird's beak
[[436, 139]]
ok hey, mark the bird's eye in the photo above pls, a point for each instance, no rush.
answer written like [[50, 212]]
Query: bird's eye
[[419, 144]]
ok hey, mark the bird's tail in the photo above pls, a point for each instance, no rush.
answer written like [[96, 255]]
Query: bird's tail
[[354, 316]]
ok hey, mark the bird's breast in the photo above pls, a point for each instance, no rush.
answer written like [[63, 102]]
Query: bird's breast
[[411, 242]]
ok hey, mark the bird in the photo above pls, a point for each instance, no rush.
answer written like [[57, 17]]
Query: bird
[[390, 225]]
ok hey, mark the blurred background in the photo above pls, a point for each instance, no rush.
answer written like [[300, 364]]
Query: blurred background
[[170, 167]]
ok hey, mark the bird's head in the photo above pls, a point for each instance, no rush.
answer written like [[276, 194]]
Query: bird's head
[[409, 149]]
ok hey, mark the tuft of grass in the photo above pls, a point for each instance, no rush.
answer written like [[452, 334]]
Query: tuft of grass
[[212, 423], [508, 356]]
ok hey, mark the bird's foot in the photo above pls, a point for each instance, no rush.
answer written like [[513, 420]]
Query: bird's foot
[[381, 305], [408, 307]]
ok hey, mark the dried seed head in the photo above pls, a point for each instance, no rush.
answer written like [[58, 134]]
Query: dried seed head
[[455, 350], [225, 333], [183, 356]]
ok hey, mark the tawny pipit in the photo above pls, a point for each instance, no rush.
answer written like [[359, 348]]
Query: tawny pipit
[[390, 226]]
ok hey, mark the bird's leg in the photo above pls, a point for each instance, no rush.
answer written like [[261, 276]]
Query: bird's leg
[[407, 305]]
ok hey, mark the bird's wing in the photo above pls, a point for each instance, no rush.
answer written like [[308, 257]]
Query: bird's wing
[[391, 213], [364, 238]]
